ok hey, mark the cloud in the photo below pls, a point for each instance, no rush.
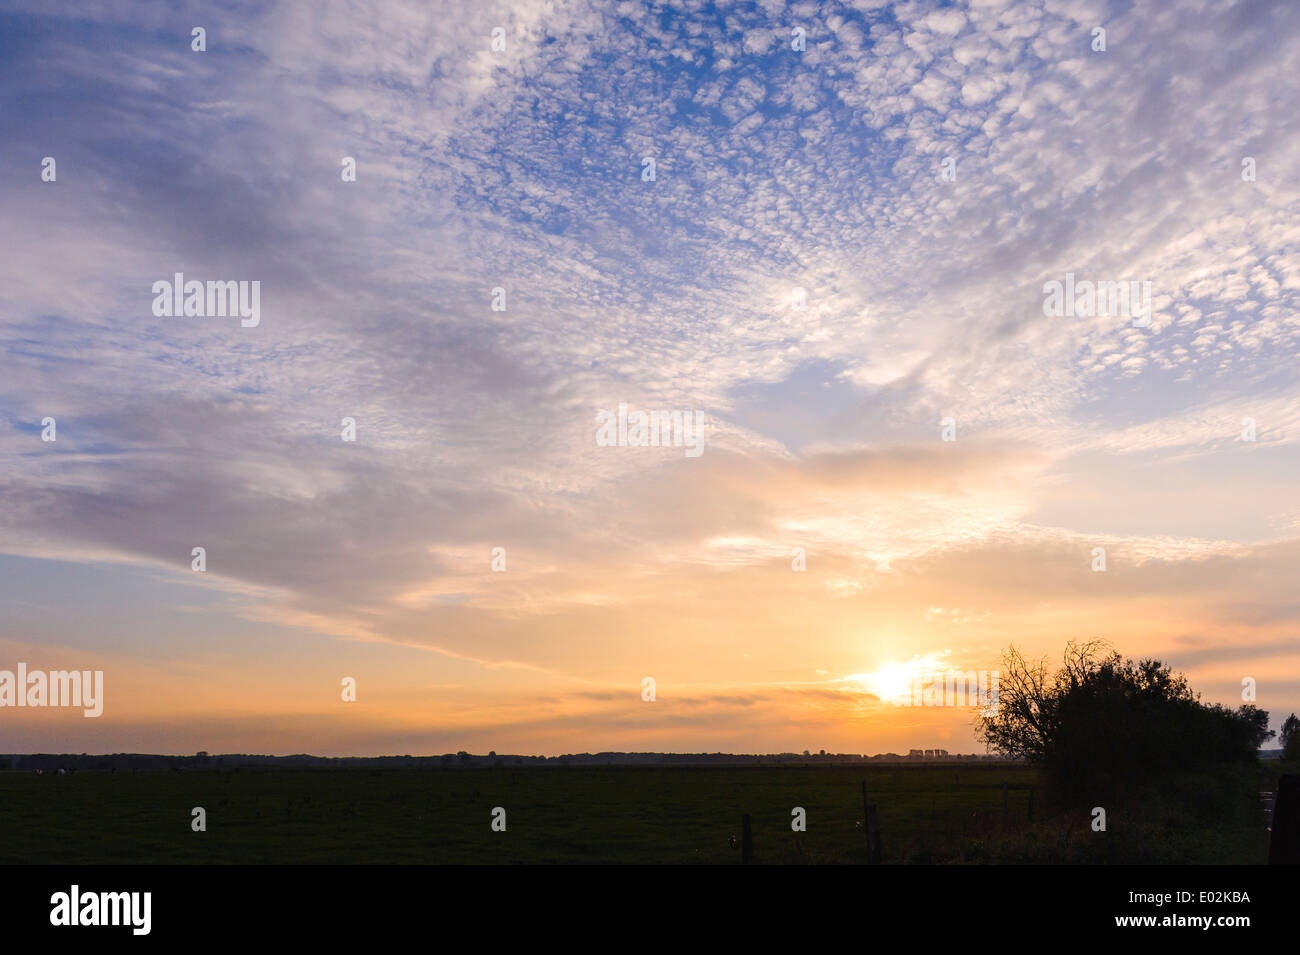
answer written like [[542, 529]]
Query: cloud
[[775, 170]]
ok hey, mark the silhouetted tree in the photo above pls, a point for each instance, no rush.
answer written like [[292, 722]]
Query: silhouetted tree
[[1104, 727], [1291, 738]]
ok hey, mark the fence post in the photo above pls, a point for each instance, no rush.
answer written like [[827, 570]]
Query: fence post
[[1004, 804], [871, 826], [1284, 846], [746, 841], [873, 835]]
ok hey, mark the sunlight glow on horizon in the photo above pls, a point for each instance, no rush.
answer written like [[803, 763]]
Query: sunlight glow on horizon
[[893, 682]]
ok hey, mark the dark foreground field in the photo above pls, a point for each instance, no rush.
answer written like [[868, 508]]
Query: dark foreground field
[[928, 814]]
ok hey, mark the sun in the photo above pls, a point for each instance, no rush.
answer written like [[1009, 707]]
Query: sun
[[893, 682]]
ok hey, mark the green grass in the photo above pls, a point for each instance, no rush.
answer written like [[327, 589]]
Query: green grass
[[940, 814]]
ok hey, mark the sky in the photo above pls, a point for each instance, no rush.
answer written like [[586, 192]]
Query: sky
[[841, 262]]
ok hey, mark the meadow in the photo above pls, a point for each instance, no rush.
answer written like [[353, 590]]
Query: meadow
[[932, 813]]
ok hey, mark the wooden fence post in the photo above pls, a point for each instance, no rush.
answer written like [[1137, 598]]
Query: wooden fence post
[[1284, 846], [746, 841], [871, 826], [1004, 804], [873, 835]]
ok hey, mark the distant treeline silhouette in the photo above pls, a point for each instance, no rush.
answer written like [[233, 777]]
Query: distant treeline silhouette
[[146, 762]]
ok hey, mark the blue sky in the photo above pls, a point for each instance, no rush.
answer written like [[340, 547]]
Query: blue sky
[[521, 168]]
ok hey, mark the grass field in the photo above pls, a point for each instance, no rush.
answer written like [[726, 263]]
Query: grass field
[[928, 814]]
